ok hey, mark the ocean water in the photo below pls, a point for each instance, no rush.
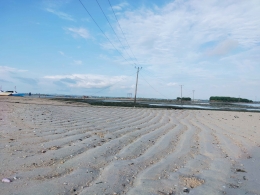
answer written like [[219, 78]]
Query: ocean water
[[184, 106], [216, 106]]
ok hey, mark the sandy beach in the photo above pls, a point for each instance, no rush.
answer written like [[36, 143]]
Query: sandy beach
[[52, 147]]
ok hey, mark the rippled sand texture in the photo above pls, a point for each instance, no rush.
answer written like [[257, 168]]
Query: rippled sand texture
[[48, 147]]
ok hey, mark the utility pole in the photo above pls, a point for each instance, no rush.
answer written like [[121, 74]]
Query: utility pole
[[136, 83], [193, 95], [181, 93]]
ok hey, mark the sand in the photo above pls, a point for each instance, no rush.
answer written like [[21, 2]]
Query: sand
[[51, 147]]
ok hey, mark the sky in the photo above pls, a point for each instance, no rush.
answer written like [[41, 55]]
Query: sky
[[93, 47]]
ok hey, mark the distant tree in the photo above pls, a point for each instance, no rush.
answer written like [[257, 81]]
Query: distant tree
[[184, 99], [228, 99]]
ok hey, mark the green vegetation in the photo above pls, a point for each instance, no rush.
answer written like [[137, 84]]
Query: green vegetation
[[228, 99], [120, 104], [184, 99]]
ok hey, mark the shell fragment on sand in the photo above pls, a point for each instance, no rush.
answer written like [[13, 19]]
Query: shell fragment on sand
[[6, 180]]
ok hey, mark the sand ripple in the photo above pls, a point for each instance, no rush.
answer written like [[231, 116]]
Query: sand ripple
[[49, 147]]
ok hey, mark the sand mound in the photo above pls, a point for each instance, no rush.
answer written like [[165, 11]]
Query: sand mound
[[191, 182]]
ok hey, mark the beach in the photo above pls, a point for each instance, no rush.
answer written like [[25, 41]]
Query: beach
[[55, 147]]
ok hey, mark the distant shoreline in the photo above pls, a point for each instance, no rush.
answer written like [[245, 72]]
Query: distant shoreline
[[162, 104], [141, 103]]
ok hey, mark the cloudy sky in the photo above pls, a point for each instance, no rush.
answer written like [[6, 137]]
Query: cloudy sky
[[210, 46]]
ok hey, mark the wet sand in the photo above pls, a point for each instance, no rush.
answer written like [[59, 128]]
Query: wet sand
[[51, 147]]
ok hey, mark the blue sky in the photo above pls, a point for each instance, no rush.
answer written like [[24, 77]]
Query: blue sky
[[210, 46]]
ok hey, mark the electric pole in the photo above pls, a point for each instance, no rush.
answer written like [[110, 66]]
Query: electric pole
[[136, 83], [193, 94], [181, 93]]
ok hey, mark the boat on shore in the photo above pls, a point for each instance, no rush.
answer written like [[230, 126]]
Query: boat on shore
[[10, 93], [5, 93], [14, 93]]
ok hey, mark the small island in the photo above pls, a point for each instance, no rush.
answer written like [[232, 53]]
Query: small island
[[227, 99], [184, 99]]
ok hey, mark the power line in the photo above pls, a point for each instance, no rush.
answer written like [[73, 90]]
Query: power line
[[158, 79], [102, 89], [112, 28], [155, 77], [122, 31], [117, 38], [101, 30], [154, 88]]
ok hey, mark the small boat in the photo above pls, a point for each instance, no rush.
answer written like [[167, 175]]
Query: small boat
[[10, 93], [14, 93], [5, 93]]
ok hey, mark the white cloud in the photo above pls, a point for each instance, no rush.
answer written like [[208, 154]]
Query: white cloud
[[10, 77], [60, 14], [79, 32], [87, 80], [175, 35], [61, 53], [223, 48], [120, 6], [7, 69], [74, 62], [85, 20], [77, 62], [171, 84]]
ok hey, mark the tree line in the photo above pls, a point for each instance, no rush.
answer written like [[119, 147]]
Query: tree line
[[184, 99], [228, 99]]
